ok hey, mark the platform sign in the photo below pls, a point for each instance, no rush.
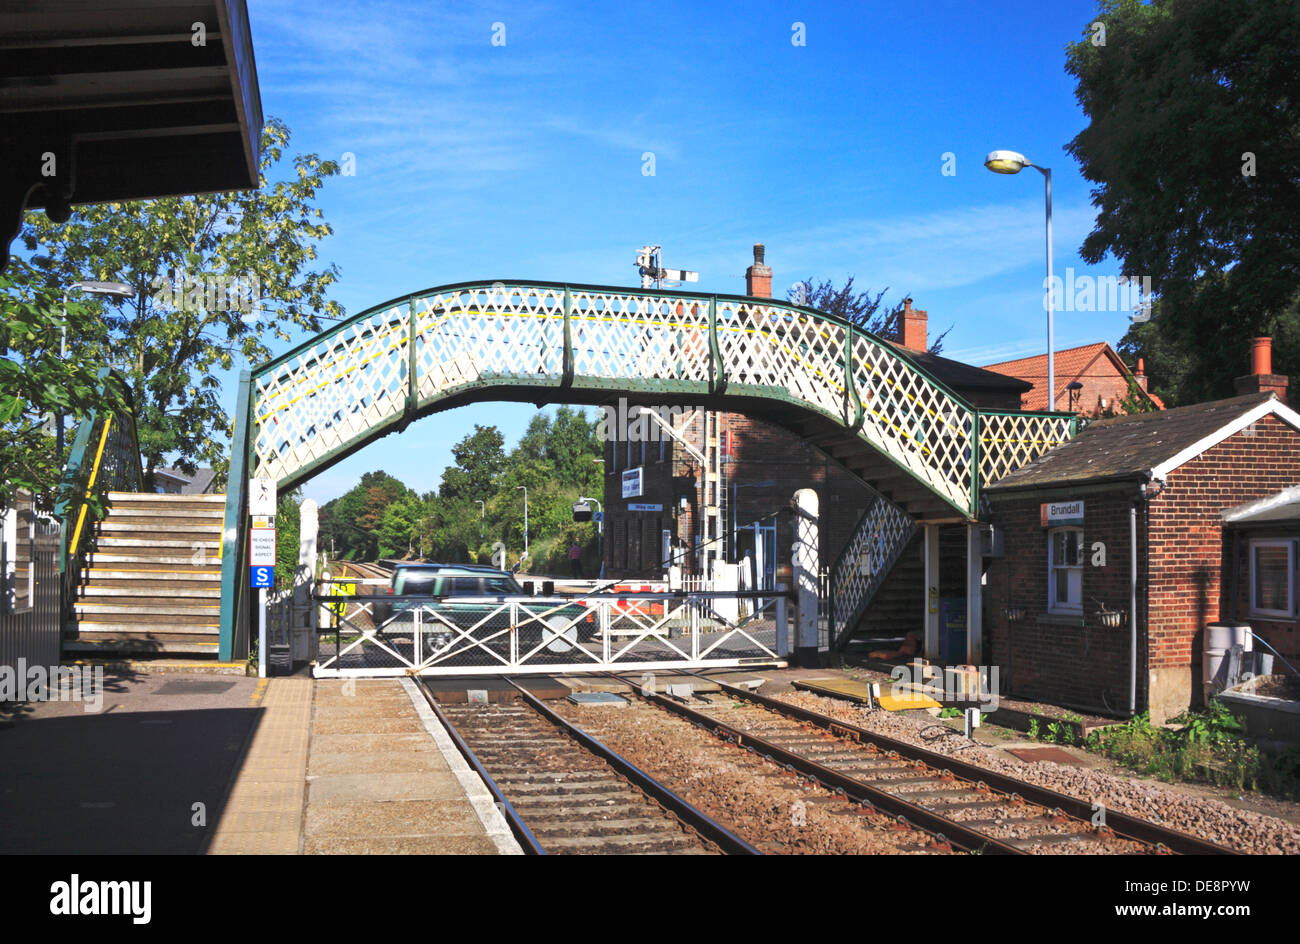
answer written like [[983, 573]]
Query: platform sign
[[261, 576], [632, 483], [261, 547], [645, 506], [261, 496], [1058, 514]]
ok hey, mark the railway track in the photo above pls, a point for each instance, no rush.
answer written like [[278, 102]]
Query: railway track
[[562, 791], [972, 808]]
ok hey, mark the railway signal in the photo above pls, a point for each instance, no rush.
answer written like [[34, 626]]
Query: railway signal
[[653, 274]]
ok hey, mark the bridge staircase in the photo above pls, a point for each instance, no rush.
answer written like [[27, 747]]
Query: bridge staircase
[[152, 583]]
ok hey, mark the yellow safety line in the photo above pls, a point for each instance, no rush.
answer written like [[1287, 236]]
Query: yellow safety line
[[259, 691], [90, 483]]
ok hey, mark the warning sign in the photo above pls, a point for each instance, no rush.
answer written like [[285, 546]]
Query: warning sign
[[261, 548]]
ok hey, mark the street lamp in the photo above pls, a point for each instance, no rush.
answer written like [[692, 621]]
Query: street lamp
[[524, 488], [1012, 162], [117, 289]]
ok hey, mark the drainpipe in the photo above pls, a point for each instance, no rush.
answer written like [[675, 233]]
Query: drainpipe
[[1132, 606]]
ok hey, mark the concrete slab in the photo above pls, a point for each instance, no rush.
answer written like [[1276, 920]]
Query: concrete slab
[[372, 785]]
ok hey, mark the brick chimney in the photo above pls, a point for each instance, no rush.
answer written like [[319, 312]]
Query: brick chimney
[[1262, 379], [758, 277], [1140, 375], [912, 327]]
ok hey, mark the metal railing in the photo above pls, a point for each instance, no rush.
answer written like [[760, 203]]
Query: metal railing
[[519, 635], [861, 569], [105, 457]]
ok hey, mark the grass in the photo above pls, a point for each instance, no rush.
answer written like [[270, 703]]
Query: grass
[[1209, 747]]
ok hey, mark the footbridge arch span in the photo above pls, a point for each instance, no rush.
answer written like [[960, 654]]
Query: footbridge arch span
[[859, 397]]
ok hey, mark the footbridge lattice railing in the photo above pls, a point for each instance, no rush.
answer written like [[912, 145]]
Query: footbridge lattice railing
[[384, 367]]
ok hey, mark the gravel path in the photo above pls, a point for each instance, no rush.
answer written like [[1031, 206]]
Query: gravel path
[[1203, 818]]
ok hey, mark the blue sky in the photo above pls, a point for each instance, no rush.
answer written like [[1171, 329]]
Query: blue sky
[[524, 160]]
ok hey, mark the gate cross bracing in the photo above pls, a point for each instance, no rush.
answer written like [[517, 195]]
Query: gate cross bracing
[[530, 635], [860, 398]]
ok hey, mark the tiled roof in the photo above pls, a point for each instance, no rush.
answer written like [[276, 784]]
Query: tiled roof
[[1128, 446], [961, 376], [1096, 360]]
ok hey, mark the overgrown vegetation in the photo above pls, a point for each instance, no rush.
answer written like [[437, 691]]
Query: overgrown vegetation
[[1206, 746]]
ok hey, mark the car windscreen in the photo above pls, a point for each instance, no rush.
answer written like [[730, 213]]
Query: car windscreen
[[415, 584], [501, 586]]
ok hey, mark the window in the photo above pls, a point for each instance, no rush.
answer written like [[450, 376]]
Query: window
[[1272, 577], [1065, 570]]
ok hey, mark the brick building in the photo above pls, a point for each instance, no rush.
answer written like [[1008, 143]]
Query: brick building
[[1115, 551], [762, 465], [1102, 380]]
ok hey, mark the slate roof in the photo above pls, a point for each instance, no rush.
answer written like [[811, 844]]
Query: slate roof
[[1129, 447], [961, 376]]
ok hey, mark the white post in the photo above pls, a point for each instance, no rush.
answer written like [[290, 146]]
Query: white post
[[302, 639], [261, 633], [931, 602], [806, 561], [974, 597]]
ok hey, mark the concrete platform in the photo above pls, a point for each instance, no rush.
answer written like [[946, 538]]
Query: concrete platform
[[168, 762]]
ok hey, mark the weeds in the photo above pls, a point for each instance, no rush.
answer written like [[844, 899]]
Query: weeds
[[1209, 747]]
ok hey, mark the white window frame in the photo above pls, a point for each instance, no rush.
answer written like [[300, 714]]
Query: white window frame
[[1290, 545], [1071, 609]]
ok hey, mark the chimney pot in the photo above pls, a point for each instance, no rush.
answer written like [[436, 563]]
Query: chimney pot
[[1262, 356], [758, 277]]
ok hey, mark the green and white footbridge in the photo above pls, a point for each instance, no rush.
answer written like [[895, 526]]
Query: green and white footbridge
[[860, 398]]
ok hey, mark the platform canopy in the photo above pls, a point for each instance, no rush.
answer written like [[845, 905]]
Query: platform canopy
[[123, 100]]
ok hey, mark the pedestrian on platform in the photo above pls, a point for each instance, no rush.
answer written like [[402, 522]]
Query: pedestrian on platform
[[575, 557]]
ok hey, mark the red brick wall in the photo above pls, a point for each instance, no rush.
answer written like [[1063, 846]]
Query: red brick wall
[[1083, 665], [761, 451], [1187, 555]]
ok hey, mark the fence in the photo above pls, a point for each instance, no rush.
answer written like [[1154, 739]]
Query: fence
[[29, 586], [520, 635]]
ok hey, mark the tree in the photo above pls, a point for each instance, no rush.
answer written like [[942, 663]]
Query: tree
[[857, 308], [215, 276], [480, 459], [36, 383], [1193, 143]]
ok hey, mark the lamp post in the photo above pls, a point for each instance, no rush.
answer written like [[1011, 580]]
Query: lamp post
[[1012, 162], [524, 489], [117, 289]]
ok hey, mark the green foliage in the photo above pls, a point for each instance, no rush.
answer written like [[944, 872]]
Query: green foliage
[[36, 382], [950, 712], [171, 341], [382, 518], [1033, 728], [287, 537], [858, 308], [1212, 222], [1209, 746]]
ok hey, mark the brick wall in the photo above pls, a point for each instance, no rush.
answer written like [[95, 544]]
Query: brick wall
[[1187, 540], [1051, 658], [1182, 562], [761, 451]]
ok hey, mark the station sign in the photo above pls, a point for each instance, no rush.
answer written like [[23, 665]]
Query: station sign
[[261, 577], [639, 506], [632, 483], [261, 548], [261, 497], [1059, 514]]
